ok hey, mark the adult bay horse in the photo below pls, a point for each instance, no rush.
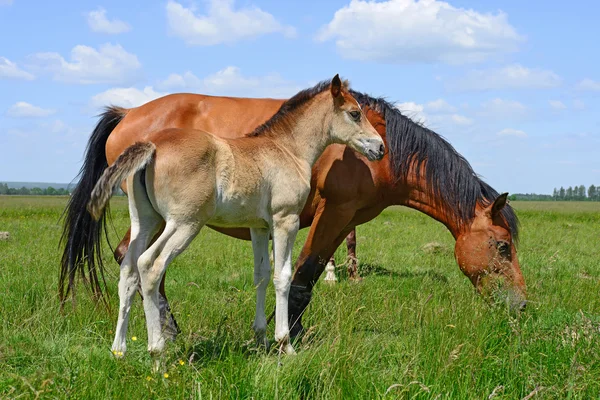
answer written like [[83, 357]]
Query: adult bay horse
[[180, 179], [420, 170]]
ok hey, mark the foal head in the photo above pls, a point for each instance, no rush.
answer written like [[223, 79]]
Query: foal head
[[350, 126], [486, 254]]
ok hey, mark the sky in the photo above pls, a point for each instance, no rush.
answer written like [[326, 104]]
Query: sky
[[513, 85]]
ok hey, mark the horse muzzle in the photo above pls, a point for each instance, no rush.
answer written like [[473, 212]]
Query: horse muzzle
[[373, 149]]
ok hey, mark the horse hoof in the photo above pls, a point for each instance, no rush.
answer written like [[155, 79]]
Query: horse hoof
[[263, 343], [118, 354], [156, 365], [288, 349]]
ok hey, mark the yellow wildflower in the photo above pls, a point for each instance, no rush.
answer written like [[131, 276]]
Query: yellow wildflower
[[166, 375], [134, 338], [181, 362]]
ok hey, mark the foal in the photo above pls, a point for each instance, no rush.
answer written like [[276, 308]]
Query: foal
[[186, 179]]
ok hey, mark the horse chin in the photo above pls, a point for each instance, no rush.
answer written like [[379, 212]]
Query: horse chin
[[501, 293]]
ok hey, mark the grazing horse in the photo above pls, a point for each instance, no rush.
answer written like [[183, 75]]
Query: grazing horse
[[179, 180], [420, 170]]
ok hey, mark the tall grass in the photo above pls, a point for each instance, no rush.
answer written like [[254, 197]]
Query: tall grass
[[412, 329]]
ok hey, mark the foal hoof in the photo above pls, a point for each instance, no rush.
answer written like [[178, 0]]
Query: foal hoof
[[262, 343], [157, 365], [287, 349], [118, 354]]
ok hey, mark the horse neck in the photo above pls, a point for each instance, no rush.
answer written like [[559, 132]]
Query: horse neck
[[415, 193], [306, 136]]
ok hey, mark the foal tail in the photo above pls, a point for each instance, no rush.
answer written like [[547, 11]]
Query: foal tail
[[133, 159], [82, 235]]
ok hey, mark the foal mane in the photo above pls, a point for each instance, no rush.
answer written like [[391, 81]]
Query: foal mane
[[451, 181], [282, 116]]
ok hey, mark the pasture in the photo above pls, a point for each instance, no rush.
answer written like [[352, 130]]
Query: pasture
[[413, 328]]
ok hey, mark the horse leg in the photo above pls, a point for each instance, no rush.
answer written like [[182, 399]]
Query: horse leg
[[285, 229], [166, 316], [330, 271], [152, 265], [351, 258], [262, 274], [144, 223], [320, 245]]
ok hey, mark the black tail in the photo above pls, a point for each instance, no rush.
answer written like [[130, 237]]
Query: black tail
[[81, 234]]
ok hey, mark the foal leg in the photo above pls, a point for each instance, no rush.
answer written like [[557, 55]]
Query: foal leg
[[166, 316], [262, 274], [152, 265], [285, 229], [144, 224]]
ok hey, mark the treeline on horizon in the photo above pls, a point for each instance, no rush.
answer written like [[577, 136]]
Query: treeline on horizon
[[577, 193], [36, 191]]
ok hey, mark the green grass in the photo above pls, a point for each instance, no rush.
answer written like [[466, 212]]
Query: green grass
[[412, 329]]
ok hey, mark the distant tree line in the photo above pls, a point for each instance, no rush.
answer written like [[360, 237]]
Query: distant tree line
[[572, 193], [36, 191]]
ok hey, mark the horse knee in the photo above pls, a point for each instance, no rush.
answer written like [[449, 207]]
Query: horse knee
[[282, 281]]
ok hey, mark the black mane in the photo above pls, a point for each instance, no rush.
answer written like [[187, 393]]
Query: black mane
[[449, 176], [298, 100]]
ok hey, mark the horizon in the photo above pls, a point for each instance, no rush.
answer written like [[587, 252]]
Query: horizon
[[513, 94]]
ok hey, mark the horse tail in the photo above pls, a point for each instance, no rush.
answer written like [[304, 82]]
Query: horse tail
[[81, 234], [133, 159]]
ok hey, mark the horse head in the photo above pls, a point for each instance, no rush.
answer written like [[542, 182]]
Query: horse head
[[487, 255]]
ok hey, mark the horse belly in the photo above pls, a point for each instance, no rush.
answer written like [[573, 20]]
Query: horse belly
[[238, 213]]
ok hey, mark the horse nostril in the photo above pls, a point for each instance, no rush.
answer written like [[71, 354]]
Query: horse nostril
[[381, 148], [522, 305]]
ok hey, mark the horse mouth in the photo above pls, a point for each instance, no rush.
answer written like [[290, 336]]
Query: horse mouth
[[373, 155]]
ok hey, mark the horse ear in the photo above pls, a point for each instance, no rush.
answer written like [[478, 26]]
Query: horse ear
[[336, 86], [499, 204]]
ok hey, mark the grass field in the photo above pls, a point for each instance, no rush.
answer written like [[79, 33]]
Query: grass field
[[412, 329]]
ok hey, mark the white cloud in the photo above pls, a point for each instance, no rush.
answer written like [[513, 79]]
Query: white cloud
[[499, 108], [461, 120], [512, 132], [440, 105], [589, 84], [109, 64], [222, 24], [437, 114], [231, 82], [405, 31], [414, 111], [22, 109], [98, 22], [557, 104], [125, 97], [10, 70], [513, 76]]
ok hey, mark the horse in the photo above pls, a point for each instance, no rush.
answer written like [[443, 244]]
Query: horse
[[420, 170], [180, 179]]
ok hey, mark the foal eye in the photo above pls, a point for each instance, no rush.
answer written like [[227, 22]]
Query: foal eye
[[355, 115]]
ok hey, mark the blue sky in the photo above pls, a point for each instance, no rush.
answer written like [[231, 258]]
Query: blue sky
[[514, 85]]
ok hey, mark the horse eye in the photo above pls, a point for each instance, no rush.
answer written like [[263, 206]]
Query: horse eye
[[355, 115], [503, 248]]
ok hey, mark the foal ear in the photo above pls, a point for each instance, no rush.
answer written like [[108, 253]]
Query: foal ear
[[499, 204], [336, 86]]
